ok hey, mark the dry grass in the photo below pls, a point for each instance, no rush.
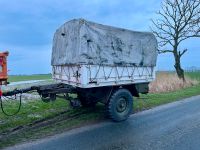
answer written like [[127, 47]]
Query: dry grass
[[166, 82]]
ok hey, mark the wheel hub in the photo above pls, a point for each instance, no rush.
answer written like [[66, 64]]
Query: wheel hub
[[121, 105]]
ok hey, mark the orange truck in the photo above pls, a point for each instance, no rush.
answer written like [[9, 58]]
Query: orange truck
[[3, 68]]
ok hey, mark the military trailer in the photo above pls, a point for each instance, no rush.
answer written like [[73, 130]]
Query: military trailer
[[100, 63]]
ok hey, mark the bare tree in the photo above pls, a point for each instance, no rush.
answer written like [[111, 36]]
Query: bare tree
[[178, 20]]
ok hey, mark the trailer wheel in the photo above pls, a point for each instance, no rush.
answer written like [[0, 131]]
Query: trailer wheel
[[86, 102], [120, 105]]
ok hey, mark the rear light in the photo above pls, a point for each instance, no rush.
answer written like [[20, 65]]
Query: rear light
[[1, 61], [1, 93]]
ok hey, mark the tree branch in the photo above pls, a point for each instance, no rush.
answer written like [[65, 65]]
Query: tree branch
[[165, 51], [178, 21], [183, 52]]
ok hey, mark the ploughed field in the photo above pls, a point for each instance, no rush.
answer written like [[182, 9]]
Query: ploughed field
[[37, 119]]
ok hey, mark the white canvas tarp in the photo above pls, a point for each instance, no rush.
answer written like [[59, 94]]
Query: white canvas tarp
[[83, 42]]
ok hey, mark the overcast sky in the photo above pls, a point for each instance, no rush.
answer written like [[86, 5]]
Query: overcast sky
[[27, 28]]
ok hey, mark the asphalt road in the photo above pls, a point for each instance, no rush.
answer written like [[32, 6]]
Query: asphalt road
[[172, 126]]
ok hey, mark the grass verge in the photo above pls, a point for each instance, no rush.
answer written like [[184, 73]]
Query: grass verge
[[151, 100], [37, 119]]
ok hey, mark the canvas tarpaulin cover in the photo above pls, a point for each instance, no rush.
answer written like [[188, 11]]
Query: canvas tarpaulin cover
[[83, 42]]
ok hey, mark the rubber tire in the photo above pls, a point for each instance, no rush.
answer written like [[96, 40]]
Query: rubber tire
[[85, 102], [112, 105]]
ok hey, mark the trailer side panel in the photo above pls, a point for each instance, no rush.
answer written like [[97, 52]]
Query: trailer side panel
[[87, 76]]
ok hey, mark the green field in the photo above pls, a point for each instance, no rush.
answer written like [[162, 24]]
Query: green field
[[38, 119], [193, 75], [16, 78]]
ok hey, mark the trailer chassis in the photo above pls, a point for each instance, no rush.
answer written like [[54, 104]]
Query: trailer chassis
[[117, 99]]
